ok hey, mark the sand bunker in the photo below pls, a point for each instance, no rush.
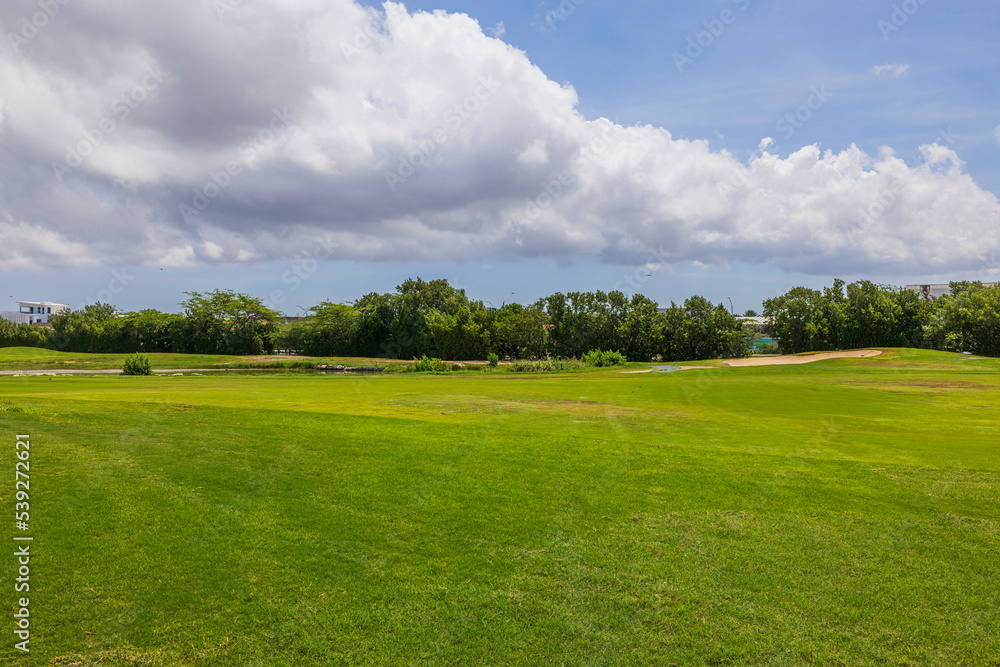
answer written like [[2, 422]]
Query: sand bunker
[[782, 360], [786, 359]]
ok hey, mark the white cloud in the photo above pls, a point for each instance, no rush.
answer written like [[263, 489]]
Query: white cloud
[[213, 250], [535, 154], [28, 246], [178, 257], [278, 142], [891, 70]]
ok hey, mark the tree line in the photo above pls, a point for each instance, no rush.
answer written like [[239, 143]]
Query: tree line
[[421, 318], [435, 319], [219, 322], [865, 314]]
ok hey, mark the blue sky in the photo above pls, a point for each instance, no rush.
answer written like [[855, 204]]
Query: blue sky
[[932, 77], [619, 57]]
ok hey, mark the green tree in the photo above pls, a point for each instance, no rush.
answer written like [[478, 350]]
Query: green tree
[[151, 331], [798, 320], [24, 335], [95, 328], [967, 320], [421, 318], [700, 330], [882, 316], [639, 333], [329, 331], [583, 321], [519, 332], [226, 322]]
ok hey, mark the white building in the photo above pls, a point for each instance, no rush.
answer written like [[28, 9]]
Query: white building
[[935, 292], [34, 312]]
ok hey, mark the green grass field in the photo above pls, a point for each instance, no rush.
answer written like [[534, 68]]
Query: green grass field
[[31, 358], [838, 513]]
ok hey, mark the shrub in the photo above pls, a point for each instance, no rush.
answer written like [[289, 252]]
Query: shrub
[[546, 366], [428, 365], [598, 358], [137, 364], [493, 359]]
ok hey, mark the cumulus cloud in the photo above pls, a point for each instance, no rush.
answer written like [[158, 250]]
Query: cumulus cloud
[[178, 135], [891, 70]]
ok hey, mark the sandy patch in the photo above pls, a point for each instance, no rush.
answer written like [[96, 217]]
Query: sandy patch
[[787, 359]]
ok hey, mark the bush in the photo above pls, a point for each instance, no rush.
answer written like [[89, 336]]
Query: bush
[[493, 360], [428, 365], [25, 335], [598, 358], [547, 366], [137, 364]]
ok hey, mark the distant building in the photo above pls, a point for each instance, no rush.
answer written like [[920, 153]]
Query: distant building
[[758, 324], [34, 312], [935, 292], [16, 318]]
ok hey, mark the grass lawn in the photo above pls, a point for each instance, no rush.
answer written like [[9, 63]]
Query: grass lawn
[[838, 513], [32, 358]]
